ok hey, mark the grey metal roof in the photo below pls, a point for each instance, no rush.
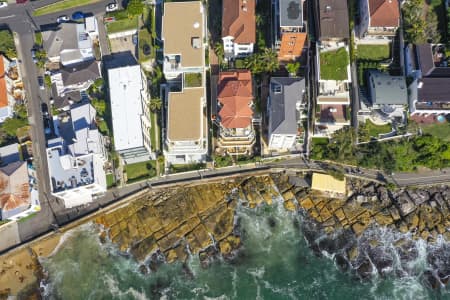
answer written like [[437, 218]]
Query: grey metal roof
[[434, 90], [333, 19], [291, 13], [389, 90], [283, 119], [82, 72], [9, 169], [426, 62], [9, 154], [57, 40]]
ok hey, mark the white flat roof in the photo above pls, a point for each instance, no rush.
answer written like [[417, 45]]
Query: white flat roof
[[125, 86]]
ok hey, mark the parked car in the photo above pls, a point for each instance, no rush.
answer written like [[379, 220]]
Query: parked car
[[41, 82], [47, 128], [77, 15], [3, 4], [44, 108], [33, 55], [135, 39], [112, 7], [62, 19]]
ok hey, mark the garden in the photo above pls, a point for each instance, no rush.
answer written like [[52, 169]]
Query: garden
[[333, 64]]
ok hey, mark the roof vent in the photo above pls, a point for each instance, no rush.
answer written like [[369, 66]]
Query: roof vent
[[196, 25], [328, 8]]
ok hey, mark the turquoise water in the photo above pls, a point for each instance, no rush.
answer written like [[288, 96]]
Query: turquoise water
[[275, 262]]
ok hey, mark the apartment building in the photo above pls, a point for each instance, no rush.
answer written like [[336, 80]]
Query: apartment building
[[184, 38], [130, 113]]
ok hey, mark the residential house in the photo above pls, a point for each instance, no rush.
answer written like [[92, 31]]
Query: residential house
[[9, 154], [91, 26], [289, 29], [286, 107], [130, 113], [15, 196], [11, 88], [332, 19], [69, 45], [388, 95], [379, 18], [333, 68], [70, 83], [76, 157], [183, 34], [430, 91], [238, 27], [235, 99]]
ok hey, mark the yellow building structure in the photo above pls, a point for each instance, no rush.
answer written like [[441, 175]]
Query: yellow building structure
[[328, 184]]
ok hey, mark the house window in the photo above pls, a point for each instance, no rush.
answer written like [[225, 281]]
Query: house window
[[276, 88]]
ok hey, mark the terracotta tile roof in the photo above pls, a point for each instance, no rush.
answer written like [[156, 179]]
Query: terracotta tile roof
[[384, 13], [3, 89], [292, 45], [238, 20], [235, 93], [14, 186]]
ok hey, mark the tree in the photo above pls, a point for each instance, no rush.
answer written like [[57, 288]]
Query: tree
[[292, 68], [270, 59], [155, 104], [220, 52], [135, 7]]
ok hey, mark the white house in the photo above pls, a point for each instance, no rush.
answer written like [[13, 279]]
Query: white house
[[76, 157], [238, 27]]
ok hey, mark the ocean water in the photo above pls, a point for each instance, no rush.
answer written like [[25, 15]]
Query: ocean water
[[275, 262]]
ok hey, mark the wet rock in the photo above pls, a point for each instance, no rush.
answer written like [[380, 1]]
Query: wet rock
[[382, 261], [365, 269], [290, 205], [143, 269], [405, 205], [341, 262]]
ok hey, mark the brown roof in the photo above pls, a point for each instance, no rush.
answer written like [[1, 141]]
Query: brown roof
[[238, 20], [14, 186], [185, 115], [333, 113], [292, 45], [183, 28], [235, 93], [384, 13], [3, 89], [333, 19]]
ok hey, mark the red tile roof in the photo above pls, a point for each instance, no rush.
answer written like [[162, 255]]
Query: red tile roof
[[14, 186], [384, 13], [238, 20], [3, 89], [292, 45], [235, 94]]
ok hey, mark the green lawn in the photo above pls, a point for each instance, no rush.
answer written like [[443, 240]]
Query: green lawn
[[154, 138], [62, 5], [333, 64], [145, 40], [375, 130], [441, 131], [109, 180], [373, 52], [320, 141], [122, 25], [139, 171], [193, 79], [186, 168]]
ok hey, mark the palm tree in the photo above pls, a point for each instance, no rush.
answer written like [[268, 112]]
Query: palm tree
[[270, 58], [254, 63], [292, 68], [220, 52], [155, 104], [259, 20]]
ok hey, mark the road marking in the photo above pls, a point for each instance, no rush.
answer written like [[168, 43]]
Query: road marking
[[7, 17]]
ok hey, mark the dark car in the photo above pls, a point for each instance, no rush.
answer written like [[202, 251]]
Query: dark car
[[44, 108], [47, 125], [77, 15], [135, 39], [33, 55]]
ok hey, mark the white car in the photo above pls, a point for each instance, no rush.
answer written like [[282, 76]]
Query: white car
[[112, 7], [62, 19], [3, 4]]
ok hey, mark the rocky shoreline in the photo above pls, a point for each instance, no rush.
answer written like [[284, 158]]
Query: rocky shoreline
[[200, 220]]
